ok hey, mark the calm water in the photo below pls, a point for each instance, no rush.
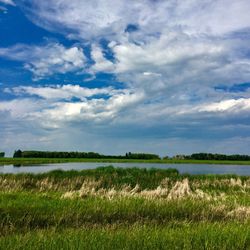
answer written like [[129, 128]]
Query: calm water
[[183, 168]]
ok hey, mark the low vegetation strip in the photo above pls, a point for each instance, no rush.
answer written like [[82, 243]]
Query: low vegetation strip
[[114, 208], [29, 161]]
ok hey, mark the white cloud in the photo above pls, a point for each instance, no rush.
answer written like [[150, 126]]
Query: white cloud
[[97, 19], [61, 91], [182, 41], [170, 49], [232, 106], [57, 107], [101, 63], [46, 60], [215, 17], [84, 19], [95, 110], [20, 108], [54, 110]]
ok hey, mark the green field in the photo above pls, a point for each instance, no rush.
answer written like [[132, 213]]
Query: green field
[[114, 208], [28, 161]]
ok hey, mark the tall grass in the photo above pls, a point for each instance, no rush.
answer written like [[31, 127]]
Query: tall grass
[[113, 208], [25, 212], [173, 236], [116, 177]]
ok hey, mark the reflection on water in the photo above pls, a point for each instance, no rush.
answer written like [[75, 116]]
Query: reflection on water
[[183, 168]]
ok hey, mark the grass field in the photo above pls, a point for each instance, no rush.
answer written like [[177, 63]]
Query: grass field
[[28, 161], [113, 208]]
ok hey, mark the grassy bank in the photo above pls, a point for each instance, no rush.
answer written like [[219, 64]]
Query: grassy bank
[[109, 208], [30, 161]]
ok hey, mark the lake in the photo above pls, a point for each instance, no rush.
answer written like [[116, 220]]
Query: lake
[[183, 168]]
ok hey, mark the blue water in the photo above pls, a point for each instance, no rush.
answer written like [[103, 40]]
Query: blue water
[[183, 168]]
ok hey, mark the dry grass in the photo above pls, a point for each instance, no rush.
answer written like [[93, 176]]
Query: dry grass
[[227, 197], [179, 190], [225, 183], [240, 212]]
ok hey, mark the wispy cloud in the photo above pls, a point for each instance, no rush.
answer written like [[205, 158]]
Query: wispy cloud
[[61, 92], [97, 19], [46, 60]]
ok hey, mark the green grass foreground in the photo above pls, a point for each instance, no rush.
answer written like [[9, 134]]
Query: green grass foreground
[[30, 161], [115, 208]]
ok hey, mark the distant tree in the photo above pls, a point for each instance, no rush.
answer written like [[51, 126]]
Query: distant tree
[[142, 156], [2, 154], [209, 156], [179, 157], [17, 154], [94, 155]]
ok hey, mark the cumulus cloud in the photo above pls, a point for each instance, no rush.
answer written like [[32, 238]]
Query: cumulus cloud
[[57, 106], [94, 110], [107, 104], [46, 60]]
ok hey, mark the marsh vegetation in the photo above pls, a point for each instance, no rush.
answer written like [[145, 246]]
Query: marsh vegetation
[[114, 208]]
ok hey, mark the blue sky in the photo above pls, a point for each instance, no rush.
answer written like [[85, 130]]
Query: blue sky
[[167, 77]]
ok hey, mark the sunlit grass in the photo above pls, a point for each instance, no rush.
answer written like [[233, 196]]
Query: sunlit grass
[[114, 208], [171, 236]]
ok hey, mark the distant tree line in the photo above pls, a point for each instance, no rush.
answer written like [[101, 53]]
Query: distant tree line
[[2, 154], [129, 155], [56, 154], [141, 156], [209, 156]]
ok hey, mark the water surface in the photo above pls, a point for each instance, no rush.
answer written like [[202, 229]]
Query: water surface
[[183, 168]]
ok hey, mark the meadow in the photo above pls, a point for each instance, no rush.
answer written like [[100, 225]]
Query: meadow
[[115, 208]]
